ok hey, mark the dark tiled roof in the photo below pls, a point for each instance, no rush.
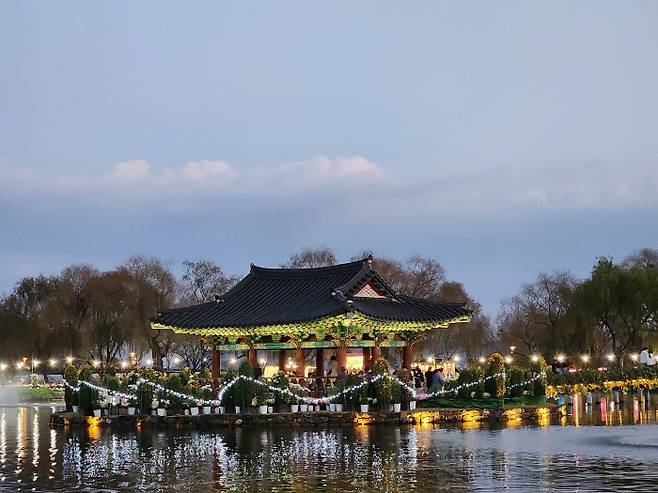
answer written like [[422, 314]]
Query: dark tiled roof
[[284, 296]]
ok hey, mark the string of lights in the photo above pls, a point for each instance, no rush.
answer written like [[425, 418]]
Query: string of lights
[[289, 393], [180, 395]]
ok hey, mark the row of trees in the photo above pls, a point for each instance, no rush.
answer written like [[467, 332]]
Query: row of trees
[[103, 315], [614, 309]]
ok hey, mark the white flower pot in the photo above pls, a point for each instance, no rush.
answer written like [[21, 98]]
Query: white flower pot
[[237, 409], [206, 409], [75, 408], [339, 408], [194, 411], [364, 408], [222, 409], [294, 408], [332, 407], [97, 413], [270, 409], [262, 409], [131, 410], [303, 407], [162, 411], [397, 407], [412, 405]]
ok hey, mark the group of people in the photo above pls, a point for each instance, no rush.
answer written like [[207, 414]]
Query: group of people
[[647, 357]]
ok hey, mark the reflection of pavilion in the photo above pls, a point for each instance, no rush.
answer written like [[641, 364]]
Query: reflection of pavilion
[[338, 307]]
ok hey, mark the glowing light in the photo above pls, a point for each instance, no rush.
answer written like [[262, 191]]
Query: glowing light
[[69, 359], [177, 360], [52, 362], [149, 362], [430, 359], [508, 360], [262, 362], [585, 358], [233, 360], [512, 349], [124, 364], [456, 358], [534, 358], [634, 357], [19, 365], [482, 360], [3, 366], [560, 358], [610, 357], [95, 363]]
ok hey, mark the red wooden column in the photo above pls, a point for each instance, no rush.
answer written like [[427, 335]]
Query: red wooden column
[[375, 353], [252, 357], [282, 360], [407, 357], [299, 361], [366, 358], [214, 365], [341, 358]]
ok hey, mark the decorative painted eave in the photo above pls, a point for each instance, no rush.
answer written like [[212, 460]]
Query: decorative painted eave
[[335, 325]]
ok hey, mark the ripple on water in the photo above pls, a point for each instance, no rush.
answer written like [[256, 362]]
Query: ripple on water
[[363, 459]]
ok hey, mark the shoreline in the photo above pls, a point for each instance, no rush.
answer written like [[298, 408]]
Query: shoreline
[[312, 419]]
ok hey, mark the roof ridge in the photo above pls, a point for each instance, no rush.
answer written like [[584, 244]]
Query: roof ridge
[[306, 271]]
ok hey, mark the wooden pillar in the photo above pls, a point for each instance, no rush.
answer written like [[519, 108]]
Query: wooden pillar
[[375, 353], [252, 357], [214, 365], [367, 363], [299, 361], [407, 357], [319, 362], [282, 360], [341, 358]]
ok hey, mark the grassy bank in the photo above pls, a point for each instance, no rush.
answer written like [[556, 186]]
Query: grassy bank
[[38, 394]]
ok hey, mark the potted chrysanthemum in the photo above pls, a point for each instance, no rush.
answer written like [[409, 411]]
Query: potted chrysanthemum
[[363, 399]]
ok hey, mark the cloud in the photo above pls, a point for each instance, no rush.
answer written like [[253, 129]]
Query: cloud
[[353, 183]]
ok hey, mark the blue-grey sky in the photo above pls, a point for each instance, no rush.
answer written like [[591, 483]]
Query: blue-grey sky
[[501, 138]]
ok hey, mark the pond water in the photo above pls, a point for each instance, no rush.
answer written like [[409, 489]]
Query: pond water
[[600, 453]]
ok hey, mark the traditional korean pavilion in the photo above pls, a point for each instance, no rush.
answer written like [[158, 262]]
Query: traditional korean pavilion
[[338, 307]]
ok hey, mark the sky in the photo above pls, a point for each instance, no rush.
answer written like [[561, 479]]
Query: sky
[[500, 138]]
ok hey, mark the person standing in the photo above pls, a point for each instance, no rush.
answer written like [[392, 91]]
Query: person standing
[[333, 366]]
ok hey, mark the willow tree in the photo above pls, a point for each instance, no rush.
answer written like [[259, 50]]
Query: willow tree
[[621, 301]]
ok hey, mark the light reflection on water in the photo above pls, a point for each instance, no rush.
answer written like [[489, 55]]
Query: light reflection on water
[[595, 455]]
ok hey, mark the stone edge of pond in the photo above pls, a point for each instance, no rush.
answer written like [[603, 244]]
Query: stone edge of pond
[[313, 419]]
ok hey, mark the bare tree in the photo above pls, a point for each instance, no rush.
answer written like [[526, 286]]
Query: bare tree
[[311, 257], [154, 288], [538, 317], [645, 258], [203, 279]]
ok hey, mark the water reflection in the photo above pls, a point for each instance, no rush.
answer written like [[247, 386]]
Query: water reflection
[[548, 456]]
